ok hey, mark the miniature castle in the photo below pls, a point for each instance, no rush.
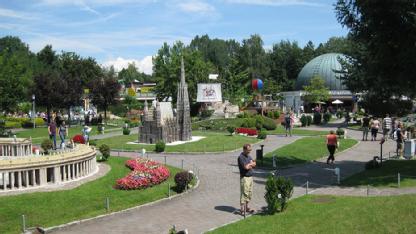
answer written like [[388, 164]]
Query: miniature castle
[[159, 123]]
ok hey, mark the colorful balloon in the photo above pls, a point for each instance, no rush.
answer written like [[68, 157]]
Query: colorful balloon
[[257, 84]]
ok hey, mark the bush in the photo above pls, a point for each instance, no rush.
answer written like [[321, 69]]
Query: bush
[[372, 164], [126, 131], [231, 129], [276, 114], [262, 135], [78, 139], [12, 124], [205, 114], [249, 123], [27, 124], [304, 120], [46, 145], [160, 146], [2, 128], [269, 124], [105, 151], [309, 120], [182, 180], [317, 118], [278, 192], [340, 132], [93, 142], [327, 117]]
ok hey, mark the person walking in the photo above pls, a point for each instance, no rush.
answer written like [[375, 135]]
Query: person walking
[[332, 145], [365, 126], [52, 133], [375, 125], [246, 165], [86, 133], [386, 127], [63, 132], [399, 140], [288, 123]]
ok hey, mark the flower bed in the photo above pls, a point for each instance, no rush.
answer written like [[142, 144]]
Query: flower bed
[[248, 131], [146, 173], [78, 139]]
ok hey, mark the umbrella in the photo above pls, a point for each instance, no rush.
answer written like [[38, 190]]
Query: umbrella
[[337, 102]]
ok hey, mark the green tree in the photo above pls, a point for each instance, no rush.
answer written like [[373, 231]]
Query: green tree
[[383, 35], [316, 91], [129, 75]]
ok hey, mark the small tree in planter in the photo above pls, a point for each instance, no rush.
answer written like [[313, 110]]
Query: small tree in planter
[[182, 180], [46, 145], [231, 129], [304, 120], [278, 192], [105, 151], [340, 132], [126, 131], [160, 146]]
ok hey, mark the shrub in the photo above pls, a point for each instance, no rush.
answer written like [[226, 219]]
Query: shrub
[[276, 114], [12, 124], [105, 151], [249, 123], [278, 192], [46, 145], [269, 124], [2, 128], [262, 135], [317, 118], [340, 132], [327, 117], [93, 142], [372, 164], [304, 120], [309, 120], [231, 129], [182, 180], [206, 113], [27, 124], [126, 131], [78, 139], [160, 146]]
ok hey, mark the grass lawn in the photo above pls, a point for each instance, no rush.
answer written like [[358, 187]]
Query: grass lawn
[[386, 176], [303, 150], [52, 208], [213, 142], [40, 134], [298, 131], [329, 214]]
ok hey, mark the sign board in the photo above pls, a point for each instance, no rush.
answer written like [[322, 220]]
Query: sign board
[[209, 93], [212, 76]]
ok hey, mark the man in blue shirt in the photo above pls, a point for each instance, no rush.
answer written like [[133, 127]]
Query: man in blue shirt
[[246, 165]]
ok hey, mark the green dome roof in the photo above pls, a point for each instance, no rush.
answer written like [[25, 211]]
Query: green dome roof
[[323, 66]]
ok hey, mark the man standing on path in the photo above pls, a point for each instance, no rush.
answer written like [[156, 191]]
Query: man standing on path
[[246, 165], [52, 132], [386, 127], [365, 125]]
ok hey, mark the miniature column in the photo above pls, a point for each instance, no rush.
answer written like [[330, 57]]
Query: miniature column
[[56, 174], [26, 178], [11, 180], [4, 180], [19, 180]]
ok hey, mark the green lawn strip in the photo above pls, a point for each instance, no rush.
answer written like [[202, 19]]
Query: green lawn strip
[[213, 142], [298, 131], [330, 214], [53, 208], [40, 134], [386, 176], [303, 150]]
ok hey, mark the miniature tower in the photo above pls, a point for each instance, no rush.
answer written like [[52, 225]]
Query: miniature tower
[[183, 116], [158, 115], [145, 111]]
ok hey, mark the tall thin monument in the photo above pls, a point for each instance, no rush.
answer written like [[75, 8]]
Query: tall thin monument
[[183, 114]]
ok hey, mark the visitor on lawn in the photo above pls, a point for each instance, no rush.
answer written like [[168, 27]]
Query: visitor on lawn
[[52, 132], [86, 133], [246, 165], [63, 132], [399, 139], [386, 127], [288, 123], [365, 126], [331, 144]]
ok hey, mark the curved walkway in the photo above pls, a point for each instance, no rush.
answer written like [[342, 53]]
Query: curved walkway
[[213, 203]]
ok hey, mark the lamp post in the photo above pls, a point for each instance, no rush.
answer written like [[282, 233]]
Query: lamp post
[[33, 111]]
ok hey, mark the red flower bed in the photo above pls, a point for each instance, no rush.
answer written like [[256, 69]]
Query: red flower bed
[[78, 139], [146, 173], [248, 131]]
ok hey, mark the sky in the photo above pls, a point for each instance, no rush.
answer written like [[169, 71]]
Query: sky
[[118, 32]]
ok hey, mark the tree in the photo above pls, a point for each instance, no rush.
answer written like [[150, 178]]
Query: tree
[[316, 91], [105, 91], [129, 74], [383, 61]]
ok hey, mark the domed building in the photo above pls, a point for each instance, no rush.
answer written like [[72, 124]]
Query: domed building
[[324, 66]]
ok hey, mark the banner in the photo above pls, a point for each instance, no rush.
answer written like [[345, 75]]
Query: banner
[[212, 76], [209, 93]]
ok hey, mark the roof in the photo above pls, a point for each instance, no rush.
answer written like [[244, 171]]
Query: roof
[[324, 66]]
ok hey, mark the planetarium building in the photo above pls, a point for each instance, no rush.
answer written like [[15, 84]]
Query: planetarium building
[[324, 66]]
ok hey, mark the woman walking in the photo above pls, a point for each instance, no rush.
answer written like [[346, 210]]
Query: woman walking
[[331, 144], [63, 132], [375, 125]]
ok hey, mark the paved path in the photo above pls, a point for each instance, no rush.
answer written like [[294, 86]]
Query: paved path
[[212, 204]]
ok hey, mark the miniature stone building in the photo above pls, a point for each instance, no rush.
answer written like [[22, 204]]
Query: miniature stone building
[[159, 123]]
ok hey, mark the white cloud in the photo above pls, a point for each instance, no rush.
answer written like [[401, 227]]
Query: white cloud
[[13, 14], [277, 2], [145, 65], [196, 7]]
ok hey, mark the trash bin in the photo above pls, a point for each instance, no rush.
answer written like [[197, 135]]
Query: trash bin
[[259, 154], [409, 149]]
